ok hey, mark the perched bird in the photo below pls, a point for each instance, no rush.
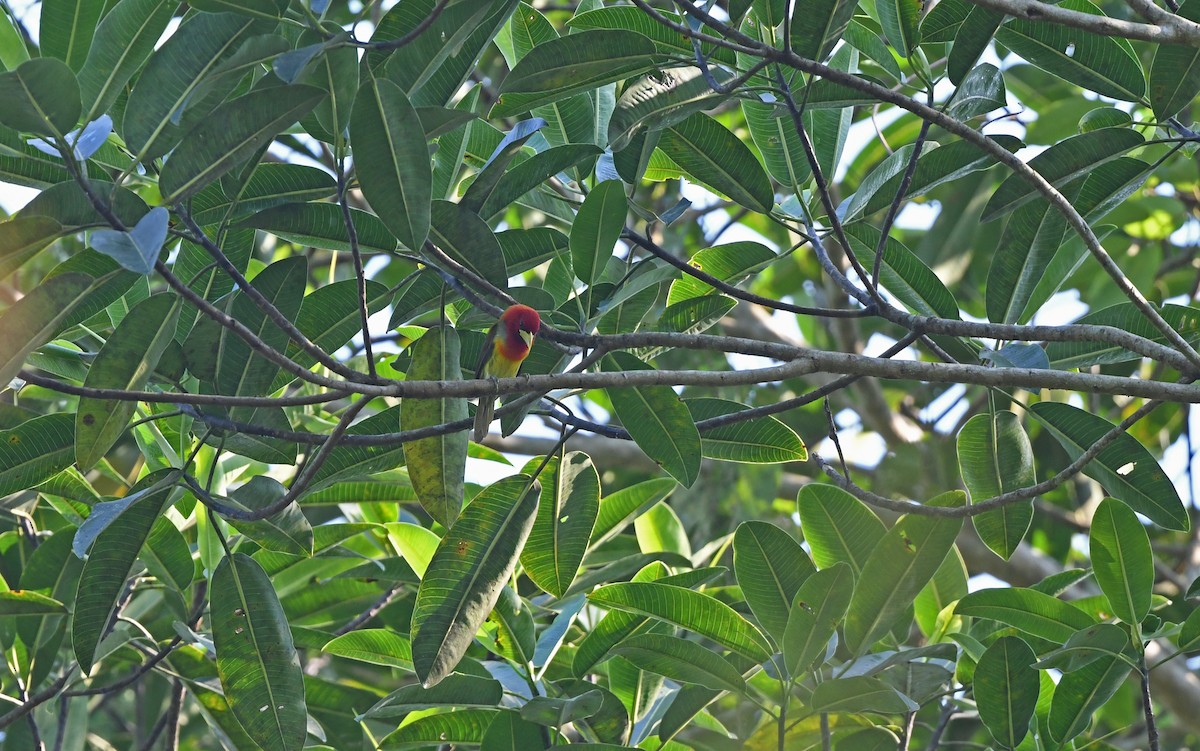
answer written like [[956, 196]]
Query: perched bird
[[507, 344]]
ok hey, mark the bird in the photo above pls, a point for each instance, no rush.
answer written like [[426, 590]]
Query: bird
[[507, 344]]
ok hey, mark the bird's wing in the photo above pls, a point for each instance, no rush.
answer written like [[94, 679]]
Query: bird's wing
[[485, 354]]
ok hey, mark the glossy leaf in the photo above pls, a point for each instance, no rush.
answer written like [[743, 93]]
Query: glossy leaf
[[1028, 610], [126, 361], [436, 465], [256, 660], [123, 41], [1125, 468], [895, 571], [464, 727], [41, 96], [596, 230], [712, 155], [658, 421], [566, 515], [1122, 560], [464, 579], [815, 612], [763, 440], [838, 526], [770, 567], [684, 608], [392, 166], [455, 690], [995, 456], [681, 660], [1006, 689], [377, 646]]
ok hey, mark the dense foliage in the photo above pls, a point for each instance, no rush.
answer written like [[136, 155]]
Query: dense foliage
[[842, 305]]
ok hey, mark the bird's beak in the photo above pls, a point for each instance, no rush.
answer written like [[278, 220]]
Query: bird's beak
[[528, 337]]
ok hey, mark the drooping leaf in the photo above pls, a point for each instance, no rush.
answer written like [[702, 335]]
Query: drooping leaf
[[1175, 72], [1006, 688], [1122, 560], [995, 456], [126, 361], [901, 22], [256, 659], [466, 238], [770, 568], [712, 155], [467, 572], [566, 515]]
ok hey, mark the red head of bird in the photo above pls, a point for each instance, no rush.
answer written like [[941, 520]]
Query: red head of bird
[[516, 330]]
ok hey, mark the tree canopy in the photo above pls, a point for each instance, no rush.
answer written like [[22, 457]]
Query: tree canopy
[[858, 416]]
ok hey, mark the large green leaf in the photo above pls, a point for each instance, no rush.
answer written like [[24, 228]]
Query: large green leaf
[[1104, 64], [286, 531], [256, 660], [125, 361], [596, 229], [566, 515], [41, 96], [123, 41], [901, 22], [356, 462], [634, 19], [896, 570], [660, 100], [1125, 468], [971, 41], [174, 74], [108, 566], [762, 440], [658, 421], [817, 27], [995, 456], [392, 166], [460, 728], [377, 646], [35, 451], [66, 29], [1175, 72], [456, 690], [577, 62], [838, 526], [903, 273], [1006, 689], [815, 612], [694, 611], [770, 567], [23, 237], [1122, 560], [466, 238], [1079, 694], [232, 133], [437, 465], [468, 570], [681, 660], [730, 262], [1031, 240], [31, 321], [1028, 610], [710, 153], [860, 693], [322, 225], [622, 507]]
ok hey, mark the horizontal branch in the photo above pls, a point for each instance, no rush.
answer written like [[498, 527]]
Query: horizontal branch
[[1170, 29]]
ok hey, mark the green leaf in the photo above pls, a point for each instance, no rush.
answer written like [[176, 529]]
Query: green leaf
[[770, 568], [577, 62], [1175, 72], [942, 23], [658, 421], [456, 690], [1090, 644], [730, 262], [1006, 689], [23, 237], [466, 238], [860, 694], [896, 570], [566, 515], [1030, 242], [714, 156], [630, 18], [1061, 163], [41, 96], [174, 73], [903, 273], [681, 660], [661, 100], [124, 362], [838, 526], [108, 566], [534, 171], [12, 45], [513, 732], [1122, 560], [1103, 64], [686, 609], [261, 8], [817, 27], [66, 28], [1079, 694], [231, 134], [23, 603], [31, 321], [995, 456], [1028, 610], [437, 465], [981, 91], [622, 507], [463, 727], [321, 225], [392, 166], [464, 579], [972, 39], [331, 316], [1063, 355], [659, 530], [377, 646], [356, 462], [596, 230], [901, 22], [256, 660], [287, 531], [1125, 468], [815, 612]]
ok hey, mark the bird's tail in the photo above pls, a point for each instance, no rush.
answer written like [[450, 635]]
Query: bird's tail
[[483, 417]]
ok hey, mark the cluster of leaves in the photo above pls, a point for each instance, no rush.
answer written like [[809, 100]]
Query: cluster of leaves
[[220, 530]]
